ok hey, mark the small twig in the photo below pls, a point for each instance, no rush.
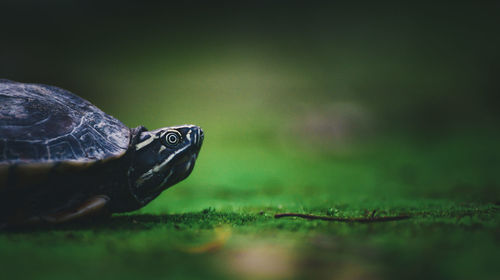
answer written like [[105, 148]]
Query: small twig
[[371, 219]]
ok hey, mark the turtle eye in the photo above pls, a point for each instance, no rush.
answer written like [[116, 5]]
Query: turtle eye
[[171, 138]]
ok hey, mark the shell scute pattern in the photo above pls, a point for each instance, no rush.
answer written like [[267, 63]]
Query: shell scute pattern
[[40, 123]]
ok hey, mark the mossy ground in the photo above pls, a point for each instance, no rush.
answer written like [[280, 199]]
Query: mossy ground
[[220, 222]]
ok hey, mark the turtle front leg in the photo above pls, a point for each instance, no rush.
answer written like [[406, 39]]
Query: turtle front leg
[[91, 207]]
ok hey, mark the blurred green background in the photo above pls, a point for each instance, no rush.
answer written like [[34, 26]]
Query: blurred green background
[[312, 107]]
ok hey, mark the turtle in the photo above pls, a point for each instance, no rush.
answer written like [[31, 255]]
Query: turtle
[[62, 158]]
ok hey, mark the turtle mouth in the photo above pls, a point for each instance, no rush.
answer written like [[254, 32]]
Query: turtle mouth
[[178, 171]]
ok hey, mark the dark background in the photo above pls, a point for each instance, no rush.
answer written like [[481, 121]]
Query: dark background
[[422, 65]]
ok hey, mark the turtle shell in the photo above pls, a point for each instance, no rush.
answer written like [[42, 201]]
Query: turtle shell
[[42, 125]]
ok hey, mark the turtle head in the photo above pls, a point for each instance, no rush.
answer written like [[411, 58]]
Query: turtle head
[[162, 158]]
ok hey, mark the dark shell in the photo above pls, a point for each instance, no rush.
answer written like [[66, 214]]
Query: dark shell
[[42, 124]]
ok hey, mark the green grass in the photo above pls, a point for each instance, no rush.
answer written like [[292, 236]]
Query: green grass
[[220, 222]]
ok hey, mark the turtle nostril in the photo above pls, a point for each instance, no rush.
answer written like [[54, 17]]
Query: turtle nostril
[[201, 136]]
